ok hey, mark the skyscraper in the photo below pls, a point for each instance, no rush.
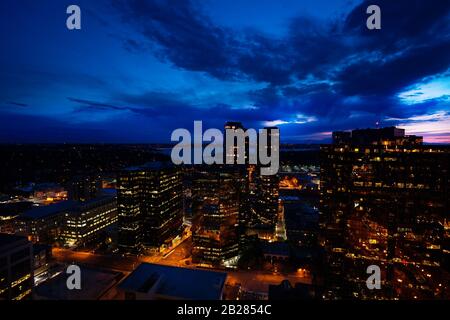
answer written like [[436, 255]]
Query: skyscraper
[[216, 207], [232, 155], [150, 206], [243, 173], [265, 206], [384, 202]]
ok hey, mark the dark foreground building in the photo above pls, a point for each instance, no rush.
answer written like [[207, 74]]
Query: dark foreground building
[[16, 267], [157, 282], [385, 202]]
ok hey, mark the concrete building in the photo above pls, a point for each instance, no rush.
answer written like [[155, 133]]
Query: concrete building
[[384, 201], [150, 206], [158, 282], [69, 223], [16, 267]]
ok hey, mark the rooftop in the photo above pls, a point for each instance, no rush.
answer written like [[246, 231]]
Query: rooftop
[[8, 239], [81, 205], [276, 248], [94, 283], [175, 282], [69, 206], [14, 208], [50, 210]]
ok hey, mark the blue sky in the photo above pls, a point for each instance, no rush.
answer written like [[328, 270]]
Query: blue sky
[[139, 69]]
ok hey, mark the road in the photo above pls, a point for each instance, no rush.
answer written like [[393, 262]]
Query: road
[[258, 281], [250, 280]]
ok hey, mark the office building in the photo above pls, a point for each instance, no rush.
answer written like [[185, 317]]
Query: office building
[[245, 170], [86, 221], [43, 224], [43, 262], [266, 207], [232, 154], [216, 209], [150, 206], [384, 201], [16, 267], [9, 212], [82, 188], [69, 223]]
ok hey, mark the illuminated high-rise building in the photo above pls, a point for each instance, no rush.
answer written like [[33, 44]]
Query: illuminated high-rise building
[[232, 155], [384, 201], [216, 207], [265, 206], [150, 206], [243, 173], [86, 222], [129, 195]]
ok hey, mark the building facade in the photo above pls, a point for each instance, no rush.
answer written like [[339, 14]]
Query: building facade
[[216, 210], [86, 221], [384, 201], [69, 223], [16, 267], [150, 206]]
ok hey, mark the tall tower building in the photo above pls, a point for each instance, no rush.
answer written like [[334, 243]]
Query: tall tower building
[[243, 173], [129, 198], [216, 207], [267, 200], [384, 202], [150, 206], [265, 206], [233, 155]]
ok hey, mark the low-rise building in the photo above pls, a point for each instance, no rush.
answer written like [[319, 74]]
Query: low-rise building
[[69, 223], [157, 282], [87, 220]]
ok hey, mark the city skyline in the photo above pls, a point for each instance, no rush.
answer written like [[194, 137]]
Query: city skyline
[[139, 69], [215, 157], [368, 211]]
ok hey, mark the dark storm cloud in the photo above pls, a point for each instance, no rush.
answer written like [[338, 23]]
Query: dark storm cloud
[[94, 105], [166, 105], [313, 75], [404, 22], [346, 52], [17, 104], [191, 41], [388, 77], [185, 37], [39, 129]]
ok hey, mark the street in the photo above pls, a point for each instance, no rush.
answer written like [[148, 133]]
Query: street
[[250, 280]]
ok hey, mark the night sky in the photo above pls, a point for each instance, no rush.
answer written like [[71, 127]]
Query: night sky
[[139, 69]]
